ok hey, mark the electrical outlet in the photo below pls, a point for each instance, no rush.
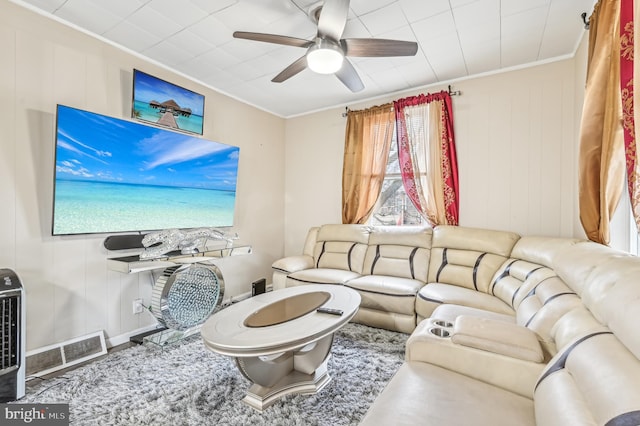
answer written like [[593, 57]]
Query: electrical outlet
[[138, 307]]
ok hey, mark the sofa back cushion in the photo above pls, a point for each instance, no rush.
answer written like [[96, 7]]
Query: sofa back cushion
[[310, 241], [468, 257], [399, 251], [593, 380], [516, 278], [541, 250], [528, 284], [341, 247], [608, 282]]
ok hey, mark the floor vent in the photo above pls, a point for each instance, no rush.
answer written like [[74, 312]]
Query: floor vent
[[66, 354]]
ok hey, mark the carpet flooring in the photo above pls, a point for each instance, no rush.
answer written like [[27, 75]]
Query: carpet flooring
[[186, 384]]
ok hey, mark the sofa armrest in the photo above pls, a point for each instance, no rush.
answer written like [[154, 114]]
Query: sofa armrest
[[291, 264], [285, 266], [431, 343], [499, 337]]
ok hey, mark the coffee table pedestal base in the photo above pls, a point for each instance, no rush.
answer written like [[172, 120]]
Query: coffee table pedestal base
[[299, 371], [260, 397]]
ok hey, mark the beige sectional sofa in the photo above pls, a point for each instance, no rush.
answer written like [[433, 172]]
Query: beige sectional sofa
[[505, 329]]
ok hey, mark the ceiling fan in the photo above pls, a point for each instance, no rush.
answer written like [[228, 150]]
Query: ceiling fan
[[326, 54]]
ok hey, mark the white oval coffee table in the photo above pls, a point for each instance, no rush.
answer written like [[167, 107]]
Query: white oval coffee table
[[279, 341]]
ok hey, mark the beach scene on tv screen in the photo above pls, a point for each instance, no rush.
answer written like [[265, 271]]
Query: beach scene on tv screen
[[165, 104], [114, 175]]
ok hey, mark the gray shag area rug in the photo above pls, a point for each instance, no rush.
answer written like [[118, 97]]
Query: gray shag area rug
[[186, 384]]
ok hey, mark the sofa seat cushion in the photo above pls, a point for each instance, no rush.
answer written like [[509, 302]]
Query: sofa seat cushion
[[320, 276], [427, 395], [385, 293], [438, 293], [387, 320], [450, 312]]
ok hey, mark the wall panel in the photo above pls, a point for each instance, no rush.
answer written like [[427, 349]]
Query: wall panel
[[8, 149], [519, 178]]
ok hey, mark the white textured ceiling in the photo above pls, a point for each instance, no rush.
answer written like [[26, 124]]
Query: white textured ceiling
[[456, 38]]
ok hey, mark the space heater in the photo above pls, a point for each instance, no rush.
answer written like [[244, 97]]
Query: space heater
[[12, 339]]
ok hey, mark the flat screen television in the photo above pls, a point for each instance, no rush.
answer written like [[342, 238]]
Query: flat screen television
[[165, 104], [114, 175]]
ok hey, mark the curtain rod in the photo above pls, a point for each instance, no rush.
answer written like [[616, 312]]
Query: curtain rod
[[449, 90], [584, 20], [454, 93]]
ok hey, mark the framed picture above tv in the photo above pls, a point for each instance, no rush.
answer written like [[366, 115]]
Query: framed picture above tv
[[114, 175], [165, 104]]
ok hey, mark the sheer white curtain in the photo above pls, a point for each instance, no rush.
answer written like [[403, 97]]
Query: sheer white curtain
[[423, 131], [426, 152]]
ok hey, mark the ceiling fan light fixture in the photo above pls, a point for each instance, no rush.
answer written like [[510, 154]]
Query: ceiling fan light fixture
[[324, 57]]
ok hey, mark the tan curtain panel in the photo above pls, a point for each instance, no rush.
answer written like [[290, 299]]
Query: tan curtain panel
[[601, 158], [366, 150]]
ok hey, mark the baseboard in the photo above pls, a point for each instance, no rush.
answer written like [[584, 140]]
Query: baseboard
[[236, 299], [242, 296], [124, 338], [138, 339]]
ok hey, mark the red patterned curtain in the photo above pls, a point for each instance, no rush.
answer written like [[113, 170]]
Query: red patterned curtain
[[627, 96], [427, 156]]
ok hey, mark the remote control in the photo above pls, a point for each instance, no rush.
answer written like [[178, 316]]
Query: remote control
[[331, 311]]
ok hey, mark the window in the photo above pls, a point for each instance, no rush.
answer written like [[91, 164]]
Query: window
[[634, 240], [624, 232], [394, 206]]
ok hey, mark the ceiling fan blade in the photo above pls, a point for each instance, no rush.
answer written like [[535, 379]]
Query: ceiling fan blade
[[372, 47], [349, 76], [273, 38], [333, 18], [291, 70]]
